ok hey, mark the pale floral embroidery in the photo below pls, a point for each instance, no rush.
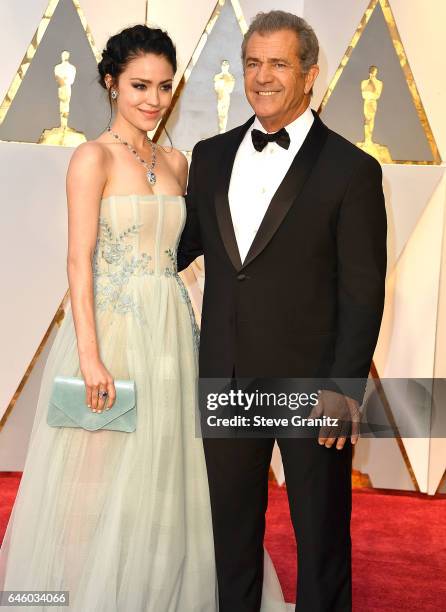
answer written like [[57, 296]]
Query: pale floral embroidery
[[114, 264], [173, 258], [186, 299]]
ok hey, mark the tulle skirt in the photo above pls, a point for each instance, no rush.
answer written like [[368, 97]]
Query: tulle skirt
[[122, 520]]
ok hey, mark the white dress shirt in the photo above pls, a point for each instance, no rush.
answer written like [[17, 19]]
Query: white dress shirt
[[256, 176]]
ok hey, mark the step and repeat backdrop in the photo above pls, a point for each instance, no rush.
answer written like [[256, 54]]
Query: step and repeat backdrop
[[381, 86]]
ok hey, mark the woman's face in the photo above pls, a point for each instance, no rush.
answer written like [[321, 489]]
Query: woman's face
[[145, 90]]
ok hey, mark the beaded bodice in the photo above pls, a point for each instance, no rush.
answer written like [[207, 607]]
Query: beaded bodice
[[137, 240], [138, 235]]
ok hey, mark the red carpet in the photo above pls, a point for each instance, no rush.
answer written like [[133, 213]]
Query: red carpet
[[399, 547], [399, 550]]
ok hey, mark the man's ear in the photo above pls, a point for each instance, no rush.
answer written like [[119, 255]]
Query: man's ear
[[310, 78]]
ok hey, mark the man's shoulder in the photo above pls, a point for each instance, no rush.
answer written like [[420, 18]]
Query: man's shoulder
[[221, 140], [344, 152]]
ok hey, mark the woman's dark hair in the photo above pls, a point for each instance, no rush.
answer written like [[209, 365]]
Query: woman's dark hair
[[130, 43]]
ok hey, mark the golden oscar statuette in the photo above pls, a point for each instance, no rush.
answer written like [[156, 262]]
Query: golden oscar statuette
[[65, 74], [224, 83], [371, 90]]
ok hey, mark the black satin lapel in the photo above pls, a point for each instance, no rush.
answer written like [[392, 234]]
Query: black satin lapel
[[222, 209], [290, 187]]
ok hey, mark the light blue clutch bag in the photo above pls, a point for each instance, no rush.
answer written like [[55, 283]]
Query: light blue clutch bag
[[67, 406]]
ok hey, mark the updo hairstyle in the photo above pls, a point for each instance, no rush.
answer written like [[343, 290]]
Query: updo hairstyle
[[128, 44]]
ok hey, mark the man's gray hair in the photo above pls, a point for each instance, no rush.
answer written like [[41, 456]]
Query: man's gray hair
[[273, 21]]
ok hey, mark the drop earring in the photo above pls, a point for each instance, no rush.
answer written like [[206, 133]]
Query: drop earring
[[114, 94]]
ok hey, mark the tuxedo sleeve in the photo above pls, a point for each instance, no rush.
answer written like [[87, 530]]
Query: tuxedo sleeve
[[190, 245], [361, 271]]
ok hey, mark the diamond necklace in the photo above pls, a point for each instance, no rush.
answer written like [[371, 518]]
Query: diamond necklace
[[150, 175]]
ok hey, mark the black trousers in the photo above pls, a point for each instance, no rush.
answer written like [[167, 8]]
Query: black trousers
[[318, 482]]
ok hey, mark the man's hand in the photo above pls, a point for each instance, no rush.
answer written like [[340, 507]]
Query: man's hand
[[345, 410]]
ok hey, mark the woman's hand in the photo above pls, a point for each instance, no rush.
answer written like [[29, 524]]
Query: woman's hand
[[97, 380]]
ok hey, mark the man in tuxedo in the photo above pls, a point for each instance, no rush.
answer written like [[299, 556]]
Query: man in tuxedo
[[291, 220]]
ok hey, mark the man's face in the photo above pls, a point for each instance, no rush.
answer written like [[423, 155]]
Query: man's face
[[274, 84]]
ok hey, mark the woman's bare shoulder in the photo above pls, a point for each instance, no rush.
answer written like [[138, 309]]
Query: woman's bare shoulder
[[89, 165], [91, 151], [172, 155], [176, 160]]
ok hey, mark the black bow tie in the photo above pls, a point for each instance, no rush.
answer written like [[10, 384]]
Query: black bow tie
[[261, 139]]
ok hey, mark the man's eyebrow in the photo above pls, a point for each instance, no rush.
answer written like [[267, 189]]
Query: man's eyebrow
[[270, 60], [148, 81]]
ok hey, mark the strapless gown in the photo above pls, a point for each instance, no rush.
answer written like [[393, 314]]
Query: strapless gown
[[122, 520]]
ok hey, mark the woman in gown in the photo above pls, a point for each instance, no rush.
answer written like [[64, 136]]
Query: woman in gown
[[122, 520]]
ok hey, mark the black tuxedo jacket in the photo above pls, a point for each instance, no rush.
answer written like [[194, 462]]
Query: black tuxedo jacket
[[308, 299]]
